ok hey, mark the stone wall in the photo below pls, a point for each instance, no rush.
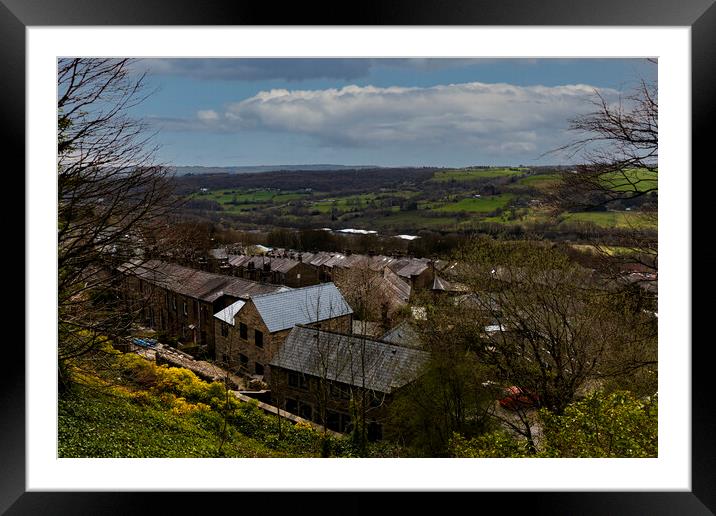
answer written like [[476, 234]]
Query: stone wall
[[173, 313], [242, 354], [308, 396]]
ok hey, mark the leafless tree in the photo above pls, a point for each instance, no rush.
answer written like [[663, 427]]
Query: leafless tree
[[616, 147], [112, 196]]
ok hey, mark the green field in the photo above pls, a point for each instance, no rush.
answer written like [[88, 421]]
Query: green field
[[252, 196], [540, 181], [612, 219], [361, 201], [410, 220], [475, 174], [638, 180], [440, 204], [344, 203], [472, 205]]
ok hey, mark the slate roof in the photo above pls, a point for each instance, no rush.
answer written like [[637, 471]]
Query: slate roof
[[340, 358], [412, 267], [228, 313], [201, 285], [277, 264], [396, 286], [404, 334], [283, 310]]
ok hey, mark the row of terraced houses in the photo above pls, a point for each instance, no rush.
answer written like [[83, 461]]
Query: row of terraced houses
[[297, 340]]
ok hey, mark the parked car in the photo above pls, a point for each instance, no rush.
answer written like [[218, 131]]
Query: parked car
[[516, 397]]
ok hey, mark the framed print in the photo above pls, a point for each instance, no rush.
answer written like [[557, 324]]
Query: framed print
[[677, 35]]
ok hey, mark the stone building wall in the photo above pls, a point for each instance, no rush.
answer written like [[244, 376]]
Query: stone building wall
[[302, 395], [243, 354]]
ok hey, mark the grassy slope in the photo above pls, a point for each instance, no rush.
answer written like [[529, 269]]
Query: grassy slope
[[93, 423]]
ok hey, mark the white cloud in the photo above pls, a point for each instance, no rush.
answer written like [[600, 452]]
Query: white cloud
[[497, 118], [207, 115]]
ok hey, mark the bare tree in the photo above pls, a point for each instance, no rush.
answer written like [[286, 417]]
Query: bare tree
[[616, 147], [112, 196]]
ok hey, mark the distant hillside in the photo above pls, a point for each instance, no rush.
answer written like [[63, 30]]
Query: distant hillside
[[199, 170], [343, 180]]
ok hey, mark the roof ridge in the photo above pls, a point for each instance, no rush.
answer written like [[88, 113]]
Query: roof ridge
[[293, 290], [354, 336]]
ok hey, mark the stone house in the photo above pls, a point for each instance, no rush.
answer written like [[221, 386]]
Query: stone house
[[277, 270], [249, 332], [181, 301], [418, 272], [317, 373]]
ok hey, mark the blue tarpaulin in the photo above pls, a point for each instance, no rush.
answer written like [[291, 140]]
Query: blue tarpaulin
[[145, 343]]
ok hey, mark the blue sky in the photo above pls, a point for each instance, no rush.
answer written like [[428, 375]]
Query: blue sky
[[386, 112]]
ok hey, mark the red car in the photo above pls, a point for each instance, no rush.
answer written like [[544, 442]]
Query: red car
[[516, 398]]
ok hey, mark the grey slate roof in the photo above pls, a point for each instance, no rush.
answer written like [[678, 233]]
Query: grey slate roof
[[404, 334], [228, 313], [413, 267], [283, 310], [397, 286], [201, 285], [339, 358]]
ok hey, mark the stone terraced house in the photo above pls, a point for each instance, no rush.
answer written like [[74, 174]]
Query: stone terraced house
[[316, 373], [181, 301], [249, 332]]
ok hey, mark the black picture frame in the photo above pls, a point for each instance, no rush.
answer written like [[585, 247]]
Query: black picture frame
[[700, 15]]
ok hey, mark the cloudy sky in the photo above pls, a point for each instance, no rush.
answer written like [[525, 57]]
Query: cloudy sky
[[387, 112]]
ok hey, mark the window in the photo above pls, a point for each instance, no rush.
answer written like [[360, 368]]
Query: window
[[259, 338], [185, 312], [243, 359], [196, 308], [243, 331], [293, 379], [225, 358], [340, 391], [259, 368], [224, 329], [174, 302], [297, 380], [291, 406]]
